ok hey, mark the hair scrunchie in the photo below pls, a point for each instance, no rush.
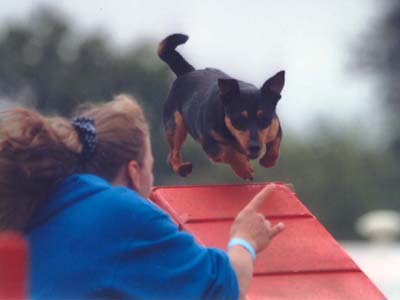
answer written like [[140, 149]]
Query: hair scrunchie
[[86, 130]]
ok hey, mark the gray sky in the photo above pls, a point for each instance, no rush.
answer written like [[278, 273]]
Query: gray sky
[[251, 40]]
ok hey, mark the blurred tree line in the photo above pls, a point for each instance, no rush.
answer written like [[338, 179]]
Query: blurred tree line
[[48, 64], [379, 56]]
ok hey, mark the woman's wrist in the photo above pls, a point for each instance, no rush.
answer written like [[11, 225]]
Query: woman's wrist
[[244, 244]]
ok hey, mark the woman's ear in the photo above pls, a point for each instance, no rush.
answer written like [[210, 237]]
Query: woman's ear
[[134, 175]]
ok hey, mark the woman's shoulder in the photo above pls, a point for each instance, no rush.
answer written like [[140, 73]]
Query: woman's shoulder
[[121, 211], [120, 208], [88, 197], [122, 204]]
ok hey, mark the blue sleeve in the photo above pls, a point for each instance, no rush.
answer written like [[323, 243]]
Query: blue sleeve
[[161, 262]]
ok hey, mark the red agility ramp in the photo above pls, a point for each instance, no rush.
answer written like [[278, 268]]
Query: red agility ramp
[[13, 266], [304, 262]]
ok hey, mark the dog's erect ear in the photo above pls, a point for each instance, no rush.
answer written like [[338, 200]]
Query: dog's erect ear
[[228, 87], [275, 83]]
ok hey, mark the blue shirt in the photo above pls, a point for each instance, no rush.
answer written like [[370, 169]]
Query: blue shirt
[[95, 241]]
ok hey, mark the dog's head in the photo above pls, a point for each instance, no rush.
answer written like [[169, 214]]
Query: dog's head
[[250, 113]]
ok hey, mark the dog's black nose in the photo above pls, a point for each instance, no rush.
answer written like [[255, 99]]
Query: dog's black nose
[[254, 149]]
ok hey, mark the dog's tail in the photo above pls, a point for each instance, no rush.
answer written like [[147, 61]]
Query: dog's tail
[[166, 51]]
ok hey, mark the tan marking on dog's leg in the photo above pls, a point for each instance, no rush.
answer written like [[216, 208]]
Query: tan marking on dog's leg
[[270, 133], [272, 139], [238, 161], [175, 139], [240, 165], [270, 157]]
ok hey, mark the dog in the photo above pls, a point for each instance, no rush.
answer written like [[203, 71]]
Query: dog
[[232, 120]]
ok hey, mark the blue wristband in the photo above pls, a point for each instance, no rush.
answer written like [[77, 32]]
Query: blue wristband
[[246, 245]]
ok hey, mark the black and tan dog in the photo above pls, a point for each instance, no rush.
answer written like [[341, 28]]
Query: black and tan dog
[[233, 120]]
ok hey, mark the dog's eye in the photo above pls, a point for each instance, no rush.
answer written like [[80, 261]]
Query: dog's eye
[[260, 114], [244, 114], [238, 119]]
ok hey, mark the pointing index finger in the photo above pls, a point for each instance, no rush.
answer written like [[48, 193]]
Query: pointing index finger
[[258, 200]]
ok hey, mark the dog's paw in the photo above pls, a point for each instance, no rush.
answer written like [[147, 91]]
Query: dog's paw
[[185, 169], [245, 172]]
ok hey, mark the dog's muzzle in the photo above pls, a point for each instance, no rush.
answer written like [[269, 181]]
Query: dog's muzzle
[[253, 150]]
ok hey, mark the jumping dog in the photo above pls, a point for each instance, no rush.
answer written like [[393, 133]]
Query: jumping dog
[[234, 121]]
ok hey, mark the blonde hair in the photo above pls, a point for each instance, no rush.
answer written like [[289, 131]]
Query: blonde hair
[[38, 152]]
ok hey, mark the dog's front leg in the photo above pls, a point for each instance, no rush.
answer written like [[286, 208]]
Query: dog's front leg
[[238, 161], [241, 165], [271, 154], [221, 151]]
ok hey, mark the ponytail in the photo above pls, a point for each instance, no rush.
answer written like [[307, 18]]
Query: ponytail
[[37, 152]]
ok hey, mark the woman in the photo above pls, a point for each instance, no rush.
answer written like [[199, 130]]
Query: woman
[[78, 190]]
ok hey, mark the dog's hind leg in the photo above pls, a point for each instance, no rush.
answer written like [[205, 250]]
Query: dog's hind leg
[[176, 134]]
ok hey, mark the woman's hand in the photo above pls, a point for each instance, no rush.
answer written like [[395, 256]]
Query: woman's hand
[[254, 228]]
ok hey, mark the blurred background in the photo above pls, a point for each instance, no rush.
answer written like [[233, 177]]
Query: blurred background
[[339, 109]]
